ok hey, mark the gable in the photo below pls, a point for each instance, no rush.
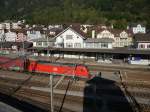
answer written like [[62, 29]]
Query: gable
[[124, 34], [71, 32], [105, 34]]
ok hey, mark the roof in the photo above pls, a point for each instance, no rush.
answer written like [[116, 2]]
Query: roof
[[77, 29], [74, 29], [135, 24], [109, 51], [44, 40], [56, 30], [99, 40], [142, 37], [18, 30], [19, 44], [115, 32]]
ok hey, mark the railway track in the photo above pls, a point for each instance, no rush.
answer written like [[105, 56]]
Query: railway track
[[8, 86], [31, 95]]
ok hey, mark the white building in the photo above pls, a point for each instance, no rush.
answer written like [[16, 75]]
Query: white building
[[139, 29], [43, 42], [11, 36], [123, 39], [2, 26], [70, 38], [2, 35], [99, 43], [105, 34], [102, 38], [142, 41], [34, 33]]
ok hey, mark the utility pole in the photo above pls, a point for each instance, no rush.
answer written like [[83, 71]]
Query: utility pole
[[23, 48], [51, 93], [47, 45]]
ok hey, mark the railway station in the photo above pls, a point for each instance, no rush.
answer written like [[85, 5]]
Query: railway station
[[115, 55]]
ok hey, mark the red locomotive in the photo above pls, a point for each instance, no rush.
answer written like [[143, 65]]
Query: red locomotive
[[75, 70], [58, 68]]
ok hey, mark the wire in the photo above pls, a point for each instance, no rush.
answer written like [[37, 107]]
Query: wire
[[64, 96]]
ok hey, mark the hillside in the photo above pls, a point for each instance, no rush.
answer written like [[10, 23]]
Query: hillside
[[118, 12]]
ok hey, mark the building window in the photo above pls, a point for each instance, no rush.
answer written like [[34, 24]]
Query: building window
[[39, 43], [32, 32], [69, 45], [104, 45], [77, 45], [142, 46], [96, 45], [45, 43], [148, 46], [88, 45], [69, 37]]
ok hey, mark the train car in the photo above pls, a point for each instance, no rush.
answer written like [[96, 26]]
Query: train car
[[11, 63], [74, 70]]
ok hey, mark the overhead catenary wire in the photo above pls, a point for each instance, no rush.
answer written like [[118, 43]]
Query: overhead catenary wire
[[69, 82]]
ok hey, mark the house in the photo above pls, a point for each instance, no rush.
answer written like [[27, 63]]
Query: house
[[43, 42], [10, 36], [123, 38], [2, 35], [2, 26], [35, 33], [142, 41], [7, 25], [102, 38], [99, 43], [20, 35], [71, 37], [137, 28], [53, 32], [15, 46]]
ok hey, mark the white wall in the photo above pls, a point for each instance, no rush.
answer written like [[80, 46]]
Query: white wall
[[11, 36], [35, 35], [75, 39], [105, 34], [145, 44], [139, 29]]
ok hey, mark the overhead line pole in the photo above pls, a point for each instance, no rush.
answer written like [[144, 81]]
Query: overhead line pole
[[51, 93]]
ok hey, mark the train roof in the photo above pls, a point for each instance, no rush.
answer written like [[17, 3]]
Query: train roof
[[57, 63]]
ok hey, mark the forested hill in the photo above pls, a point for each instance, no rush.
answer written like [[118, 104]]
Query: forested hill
[[83, 11]]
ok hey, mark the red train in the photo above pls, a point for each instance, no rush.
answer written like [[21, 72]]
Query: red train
[[66, 69]]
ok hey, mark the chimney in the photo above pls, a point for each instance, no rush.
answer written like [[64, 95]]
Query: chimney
[[112, 26], [93, 33], [127, 27]]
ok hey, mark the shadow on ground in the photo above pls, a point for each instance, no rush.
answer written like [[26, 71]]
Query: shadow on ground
[[102, 95], [20, 105]]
